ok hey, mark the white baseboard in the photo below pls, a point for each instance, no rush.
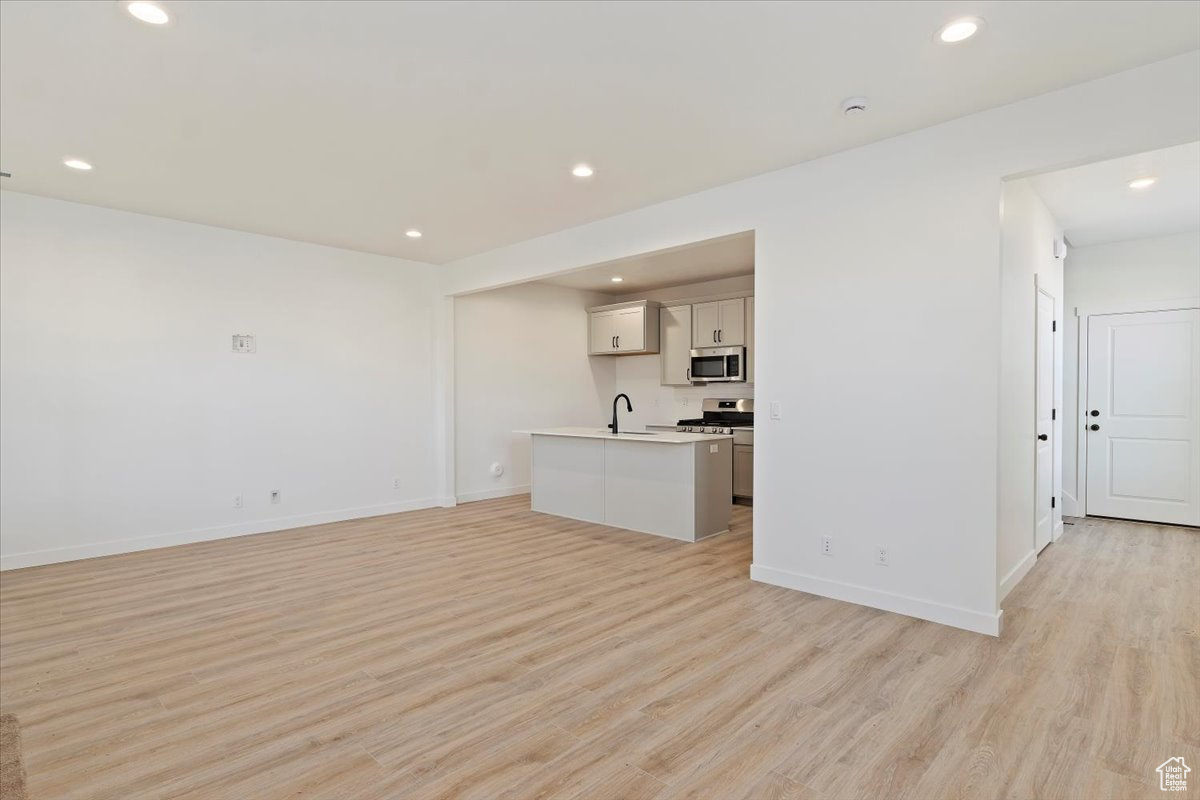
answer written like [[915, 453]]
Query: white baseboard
[[1070, 505], [447, 502], [492, 494], [37, 558], [1016, 574], [954, 616]]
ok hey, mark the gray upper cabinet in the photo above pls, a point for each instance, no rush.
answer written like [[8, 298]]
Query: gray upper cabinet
[[721, 323], [676, 345], [623, 329], [750, 339]]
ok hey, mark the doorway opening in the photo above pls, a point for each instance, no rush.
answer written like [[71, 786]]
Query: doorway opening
[[1131, 336], [1131, 333], [1100, 415]]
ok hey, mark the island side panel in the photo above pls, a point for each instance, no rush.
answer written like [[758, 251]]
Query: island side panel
[[649, 488], [714, 486], [568, 477]]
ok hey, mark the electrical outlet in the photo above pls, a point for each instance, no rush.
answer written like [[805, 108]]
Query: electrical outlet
[[395, 483], [237, 501], [881, 556], [275, 496], [826, 545]]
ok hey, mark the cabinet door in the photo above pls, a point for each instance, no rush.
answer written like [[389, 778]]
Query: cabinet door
[[675, 345], [743, 470], [750, 339], [732, 328], [629, 326], [602, 332], [706, 320]]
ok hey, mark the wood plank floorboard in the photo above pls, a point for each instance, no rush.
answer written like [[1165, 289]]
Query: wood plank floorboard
[[490, 652]]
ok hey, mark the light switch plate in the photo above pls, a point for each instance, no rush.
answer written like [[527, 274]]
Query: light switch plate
[[776, 409]]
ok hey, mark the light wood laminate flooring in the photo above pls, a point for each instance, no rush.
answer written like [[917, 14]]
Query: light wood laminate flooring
[[489, 652]]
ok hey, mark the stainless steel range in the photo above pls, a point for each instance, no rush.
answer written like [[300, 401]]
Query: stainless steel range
[[730, 417]]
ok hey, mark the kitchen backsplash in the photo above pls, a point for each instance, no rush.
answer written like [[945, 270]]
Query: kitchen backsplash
[[640, 378]]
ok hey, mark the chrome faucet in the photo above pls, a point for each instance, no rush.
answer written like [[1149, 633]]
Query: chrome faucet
[[628, 407]]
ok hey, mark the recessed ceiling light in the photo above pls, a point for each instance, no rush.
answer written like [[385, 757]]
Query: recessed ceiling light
[[582, 171], [1142, 183], [77, 163], [413, 234], [960, 30], [616, 279], [148, 12]]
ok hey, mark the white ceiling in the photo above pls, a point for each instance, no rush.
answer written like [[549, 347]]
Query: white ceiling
[[346, 123], [724, 257], [1094, 203]]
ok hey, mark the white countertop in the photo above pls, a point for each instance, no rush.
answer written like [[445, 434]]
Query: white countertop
[[650, 437]]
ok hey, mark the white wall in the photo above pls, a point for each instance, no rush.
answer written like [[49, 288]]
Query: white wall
[[1111, 277], [521, 362], [878, 295], [641, 376], [126, 420], [1028, 233]]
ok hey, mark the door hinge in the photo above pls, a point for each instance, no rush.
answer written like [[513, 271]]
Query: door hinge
[[1054, 325], [1052, 502], [1054, 413]]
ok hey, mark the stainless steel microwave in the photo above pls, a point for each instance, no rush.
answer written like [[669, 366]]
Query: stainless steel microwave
[[718, 365]]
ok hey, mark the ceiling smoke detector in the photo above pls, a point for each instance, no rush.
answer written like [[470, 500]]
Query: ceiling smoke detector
[[853, 106]]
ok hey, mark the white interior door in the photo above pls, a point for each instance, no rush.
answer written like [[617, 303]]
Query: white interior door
[[1143, 416], [1045, 415]]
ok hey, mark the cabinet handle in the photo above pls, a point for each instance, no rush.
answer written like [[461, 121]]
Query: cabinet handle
[[689, 374], [614, 343], [720, 335], [714, 335], [618, 342]]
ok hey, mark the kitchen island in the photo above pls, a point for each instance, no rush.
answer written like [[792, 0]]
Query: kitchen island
[[677, 485]]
